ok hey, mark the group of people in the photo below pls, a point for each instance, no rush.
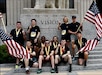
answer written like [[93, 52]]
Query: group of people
[[54, 51]]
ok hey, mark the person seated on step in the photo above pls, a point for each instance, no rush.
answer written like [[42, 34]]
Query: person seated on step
[[54, 42], [42, 42], [33, 60], [46, 54], [79, 43], [62, 54]]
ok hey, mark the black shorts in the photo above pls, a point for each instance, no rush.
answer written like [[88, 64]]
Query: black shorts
[[81, 55], [66, 37], [62, 60]]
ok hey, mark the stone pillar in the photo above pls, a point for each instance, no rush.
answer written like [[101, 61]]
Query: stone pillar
[[37, 4], [67, 5], [53, 3], [61, 4]]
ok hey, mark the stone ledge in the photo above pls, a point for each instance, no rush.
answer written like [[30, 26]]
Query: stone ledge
[[47, 11]]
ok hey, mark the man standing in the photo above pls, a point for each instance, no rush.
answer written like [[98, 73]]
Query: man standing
[[34, 32], [74, 28], [19, 36]]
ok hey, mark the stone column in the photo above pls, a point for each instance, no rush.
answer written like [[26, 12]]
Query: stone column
[[61, 3], [67, 5], [37, 4], [53, 3]]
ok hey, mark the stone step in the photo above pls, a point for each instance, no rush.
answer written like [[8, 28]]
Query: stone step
[[63, 68], [95, 56], [93, 61], [97, 49], [96, 52]]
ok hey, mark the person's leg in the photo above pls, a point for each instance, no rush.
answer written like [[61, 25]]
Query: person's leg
[[69, 59], [56, 63], [70, 62], [52, 63], [80, 58], [40, 64], [85, 58], [73, 38], [80, 61], [26, 61], [17, 63], [35, 64], [40, 61]]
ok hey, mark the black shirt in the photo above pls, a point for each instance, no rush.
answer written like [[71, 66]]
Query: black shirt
[[64, 51], [84, 40], [51, 49], [19, 39], [34, 32], [54, 44], [74, 26], [64, 28]]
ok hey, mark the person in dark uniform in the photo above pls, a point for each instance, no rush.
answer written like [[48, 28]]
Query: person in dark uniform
[[34, 32], [46, 54], [54, 42], [18, 35], [64, 27], [79, 43], [73, 29], [32, 62], [62, 54]]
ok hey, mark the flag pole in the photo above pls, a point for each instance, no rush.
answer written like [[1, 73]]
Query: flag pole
[[78, 30], [3, 22], [80, 25]]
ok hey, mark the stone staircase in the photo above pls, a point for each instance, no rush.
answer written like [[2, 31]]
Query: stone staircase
[[94, 62]]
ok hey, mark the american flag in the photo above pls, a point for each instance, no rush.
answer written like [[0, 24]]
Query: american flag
[[14, 48], [93, 15], [90, 45]]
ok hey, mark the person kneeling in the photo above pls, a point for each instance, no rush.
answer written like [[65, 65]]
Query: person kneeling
[[82, 56], [63, 54], [46, 54]]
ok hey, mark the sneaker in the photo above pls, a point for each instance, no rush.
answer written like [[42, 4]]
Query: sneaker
[[70, 67], [16, 66], [52, 70], [39, 71], [27, 72]]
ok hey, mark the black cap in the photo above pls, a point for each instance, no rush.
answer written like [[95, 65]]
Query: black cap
[[73, 17]]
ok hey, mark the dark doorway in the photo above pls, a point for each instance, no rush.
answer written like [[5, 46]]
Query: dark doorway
[[3, 6]]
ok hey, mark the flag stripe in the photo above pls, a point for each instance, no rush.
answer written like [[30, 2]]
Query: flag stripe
[[9, 49], [14, 48]]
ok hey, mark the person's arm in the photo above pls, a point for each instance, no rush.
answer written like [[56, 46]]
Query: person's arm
[[37, 35], [56, 51], [52, 52], [33, 53], [28, 30], [59, 26], [24, 34], [42, 52], [71, 32]]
